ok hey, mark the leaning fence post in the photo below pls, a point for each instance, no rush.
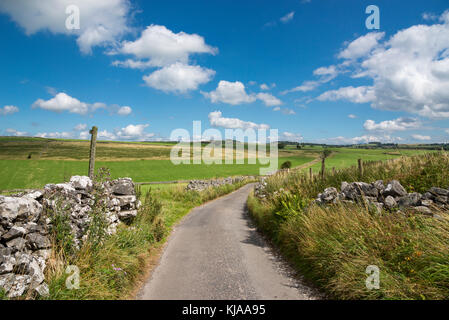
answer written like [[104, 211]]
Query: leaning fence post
[[323, 167], [93, 144], [360, 167]]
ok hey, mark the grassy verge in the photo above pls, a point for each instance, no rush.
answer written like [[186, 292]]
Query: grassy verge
[[114, 269], [333, 246]]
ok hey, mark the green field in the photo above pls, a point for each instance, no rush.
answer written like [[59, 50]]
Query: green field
[[34, 162], [20, 174], [347, 157]]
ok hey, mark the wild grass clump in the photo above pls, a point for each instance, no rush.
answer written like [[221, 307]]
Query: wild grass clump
[[332, 246], [3, 295]]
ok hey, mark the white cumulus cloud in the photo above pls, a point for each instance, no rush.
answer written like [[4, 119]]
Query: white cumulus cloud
[[409, 71], [63, 102], [230, 92], [14, 132], [234, 93], [292, 136], [361, 46], [102, 22], [124, 111], [217, 120], [55, 135], [286, 111], [399, 124], [6, 110], [268, 99], [421, 137], [361, 94], [264, 86], [132, 132], [84, 135], [160, 47], [363, 139], [178, 78]]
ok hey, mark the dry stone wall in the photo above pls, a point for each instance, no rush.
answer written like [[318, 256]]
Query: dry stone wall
[[199, 185], [391, 196], [26, 221]]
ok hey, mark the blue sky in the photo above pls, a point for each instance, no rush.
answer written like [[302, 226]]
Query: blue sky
[[311, 69]]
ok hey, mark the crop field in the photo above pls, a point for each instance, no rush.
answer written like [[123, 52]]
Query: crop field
[[34, 162]]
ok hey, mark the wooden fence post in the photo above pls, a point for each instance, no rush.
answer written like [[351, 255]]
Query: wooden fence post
[[93, 145], [360, 162], [333, 170], [311, 174], [323, 167]]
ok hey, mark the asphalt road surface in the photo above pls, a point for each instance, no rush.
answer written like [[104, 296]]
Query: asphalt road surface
[[216, 253]]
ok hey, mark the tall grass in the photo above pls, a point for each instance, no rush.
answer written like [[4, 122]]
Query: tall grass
[[333, 246], [416, 173]]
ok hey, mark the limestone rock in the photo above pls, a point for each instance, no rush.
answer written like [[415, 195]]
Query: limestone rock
[[439, 191], [355, 190], [126, 200], [423, 210], [14, 232], [329, 194], [123, 186], [17, 244], [24, 208], [81, 182], [127, 215], [390, 202], [379, 206], [428, 196], [35, 195], [32, 227], [379, 184], [15, 285], [7, 264], [410, 200], [42, 290], [36, 241], [441, 199], [394, 189], [427, 203]]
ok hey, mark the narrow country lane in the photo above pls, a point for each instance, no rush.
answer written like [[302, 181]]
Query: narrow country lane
[[216, 253]]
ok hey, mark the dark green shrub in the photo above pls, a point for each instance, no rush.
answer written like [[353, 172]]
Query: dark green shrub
[[286, 165]]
